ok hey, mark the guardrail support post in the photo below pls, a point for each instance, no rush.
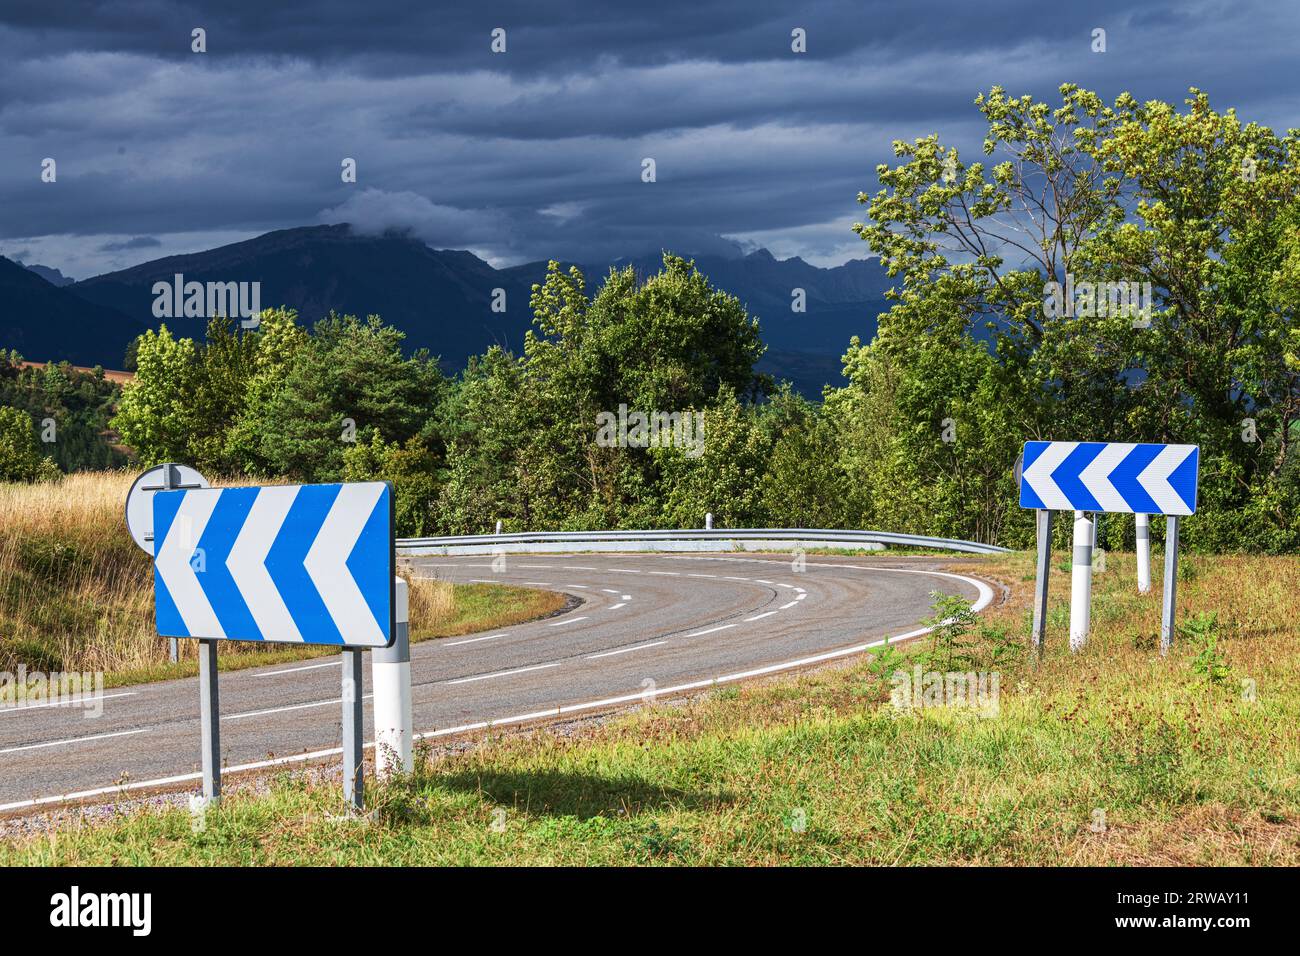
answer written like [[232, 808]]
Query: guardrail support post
[[1144, 552], [1171, 585], [1044, 570], [210, 720], [353, 734], [390, 677], [1081, 582]]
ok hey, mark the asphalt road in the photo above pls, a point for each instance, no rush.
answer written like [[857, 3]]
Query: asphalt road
[[646, 624]]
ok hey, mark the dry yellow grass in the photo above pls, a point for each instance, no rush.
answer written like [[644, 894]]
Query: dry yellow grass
[[76, 594]]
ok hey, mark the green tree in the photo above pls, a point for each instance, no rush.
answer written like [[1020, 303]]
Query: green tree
[[20, 451]]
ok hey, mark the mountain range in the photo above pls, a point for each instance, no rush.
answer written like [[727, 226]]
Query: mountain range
[[441, 299]]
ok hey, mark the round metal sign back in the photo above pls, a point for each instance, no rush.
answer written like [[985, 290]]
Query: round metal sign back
[[139, 500]]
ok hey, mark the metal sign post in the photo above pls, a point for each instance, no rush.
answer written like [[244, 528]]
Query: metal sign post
[[1044, 571], [353, 734], [1171, 585], [210, 720], [1093, 478]]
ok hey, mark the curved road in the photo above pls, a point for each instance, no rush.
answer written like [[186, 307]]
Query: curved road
[[643, 624]]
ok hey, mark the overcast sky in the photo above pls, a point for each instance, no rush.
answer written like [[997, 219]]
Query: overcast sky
[[537, 152]]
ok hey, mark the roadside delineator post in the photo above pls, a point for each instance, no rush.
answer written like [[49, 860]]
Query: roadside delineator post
[[708, 521], [1143, 552], [390, 677], [1081, 581], [210, 720]]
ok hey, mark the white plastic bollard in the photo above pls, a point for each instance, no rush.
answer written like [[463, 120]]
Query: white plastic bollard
[[1144, 552], [498, 526], [1081, 582], [708, 521], [390, 678]]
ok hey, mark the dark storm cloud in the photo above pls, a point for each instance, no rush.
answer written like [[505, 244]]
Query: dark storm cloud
[[537, 152]]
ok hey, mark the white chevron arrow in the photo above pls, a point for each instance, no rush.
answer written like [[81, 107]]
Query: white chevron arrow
[[1096, 477], [1039, 475], [247, 563], [326, 563], [1155, 479], [173, 564]]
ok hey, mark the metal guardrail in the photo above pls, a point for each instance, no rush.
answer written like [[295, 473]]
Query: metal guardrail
[[717, 539]]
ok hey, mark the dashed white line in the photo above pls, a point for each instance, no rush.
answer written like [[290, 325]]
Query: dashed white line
[[757, 617], [294, 670], [671, 574], [8, 708], [582, 586], [615, 607], [70, 740], [627, 597], [801, 597], [710, 630], [540, 584], [625, 650], [626, 570], [574, 567], [472, 640], [572, 620], [609, 590], [282, 710], [520, 670]]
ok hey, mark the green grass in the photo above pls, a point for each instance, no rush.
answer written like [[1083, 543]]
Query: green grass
[[819, 768]]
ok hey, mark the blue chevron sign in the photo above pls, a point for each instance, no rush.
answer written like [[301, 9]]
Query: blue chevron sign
[[1110, 476], [300, 564]]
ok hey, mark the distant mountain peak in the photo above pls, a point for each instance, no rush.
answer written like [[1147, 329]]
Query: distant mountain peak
[[48, 273]]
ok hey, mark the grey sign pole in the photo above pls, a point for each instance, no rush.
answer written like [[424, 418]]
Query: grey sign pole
[[210, 719], [1040, 579], [1171, 584], [353, 735], [172, 481]]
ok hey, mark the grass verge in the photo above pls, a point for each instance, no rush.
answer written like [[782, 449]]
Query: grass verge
[[1113, 756]]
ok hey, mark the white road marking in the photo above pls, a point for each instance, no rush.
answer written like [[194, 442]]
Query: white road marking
[[627, 597], [615, 607], [761, 581], [801, 597], [294, 670], [531, 567], [281, 710], [690, 575], [473, 640], [574, 567], [521, 670], [13, 708], [582, 586], [758, 617], [625, 570], [609, 590], [572, 620], [785, 606], [540, 584], [70, 740], [671, 574], [624, 650], [710, 630]]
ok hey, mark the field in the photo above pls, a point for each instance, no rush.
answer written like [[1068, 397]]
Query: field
[[1113, 756], [76, 594]]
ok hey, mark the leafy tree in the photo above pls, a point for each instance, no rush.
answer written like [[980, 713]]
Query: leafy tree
[[20, 451]]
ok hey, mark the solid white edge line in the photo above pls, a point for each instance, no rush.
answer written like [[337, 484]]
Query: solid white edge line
[[985, 599]]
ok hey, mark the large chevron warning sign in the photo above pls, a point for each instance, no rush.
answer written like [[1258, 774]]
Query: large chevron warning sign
[[310, 564], [1109, 476]]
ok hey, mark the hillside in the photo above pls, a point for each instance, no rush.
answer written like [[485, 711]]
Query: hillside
[[442, 298], [45, 322]]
